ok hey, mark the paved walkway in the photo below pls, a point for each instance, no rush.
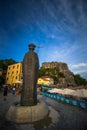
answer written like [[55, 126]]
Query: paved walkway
[[62, 116]]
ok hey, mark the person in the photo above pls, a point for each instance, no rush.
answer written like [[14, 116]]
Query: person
[[5, 92], [14, 90]]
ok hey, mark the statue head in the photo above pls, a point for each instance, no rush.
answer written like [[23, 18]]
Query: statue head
[[31, 47]]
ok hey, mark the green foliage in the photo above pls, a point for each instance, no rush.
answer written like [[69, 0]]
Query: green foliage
[[52, 72], [79, 80], [4, 63], [55, 79], [61, 75], [42, 72], [3, 66], [2, 80]]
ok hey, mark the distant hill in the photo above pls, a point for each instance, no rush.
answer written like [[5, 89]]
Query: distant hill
[[61, 74]]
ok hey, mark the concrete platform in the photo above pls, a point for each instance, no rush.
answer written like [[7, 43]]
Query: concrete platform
[[27, 114]]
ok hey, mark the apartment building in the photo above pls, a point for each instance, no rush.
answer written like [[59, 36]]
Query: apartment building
[[14, 74]]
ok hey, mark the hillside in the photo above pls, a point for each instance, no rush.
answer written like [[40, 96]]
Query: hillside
[[61, 74]]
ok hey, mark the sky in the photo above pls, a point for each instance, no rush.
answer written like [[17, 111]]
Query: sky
[[58, 28]]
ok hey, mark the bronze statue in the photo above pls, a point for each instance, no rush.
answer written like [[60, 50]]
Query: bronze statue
[[30, 76]]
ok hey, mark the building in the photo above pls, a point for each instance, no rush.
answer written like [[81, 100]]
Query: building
[[14, 74], [45, 80]]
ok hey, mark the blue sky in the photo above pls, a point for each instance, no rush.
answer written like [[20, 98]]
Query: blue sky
[[58, 26]]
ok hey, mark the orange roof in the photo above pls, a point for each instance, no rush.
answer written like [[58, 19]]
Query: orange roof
[[45, 78]]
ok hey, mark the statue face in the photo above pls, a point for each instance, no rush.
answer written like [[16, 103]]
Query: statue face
[[31, 47]]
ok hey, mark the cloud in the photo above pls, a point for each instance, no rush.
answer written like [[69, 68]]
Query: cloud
[[80, 68], [79, 65], [81, 71], [63, 17]]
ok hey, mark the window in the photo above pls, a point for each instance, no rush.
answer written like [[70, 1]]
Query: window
[[17, 66], [12, 72], [16, 72], [13, 67]]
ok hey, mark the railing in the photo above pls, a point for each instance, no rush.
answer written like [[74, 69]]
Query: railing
[[77, 103]]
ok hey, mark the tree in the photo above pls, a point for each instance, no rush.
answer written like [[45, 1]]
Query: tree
[[3, 66], [61, 75], [42, 72], [79, 80]]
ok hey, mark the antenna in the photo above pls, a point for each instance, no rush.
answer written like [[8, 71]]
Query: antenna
[[38, 47]]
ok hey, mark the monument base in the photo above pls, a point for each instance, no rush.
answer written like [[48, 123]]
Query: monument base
[[26, 114]]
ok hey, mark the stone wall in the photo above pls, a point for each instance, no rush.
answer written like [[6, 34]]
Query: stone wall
[[62, 66]]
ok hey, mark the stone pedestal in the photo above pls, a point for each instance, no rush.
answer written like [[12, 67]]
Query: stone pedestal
[[27, 114]]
